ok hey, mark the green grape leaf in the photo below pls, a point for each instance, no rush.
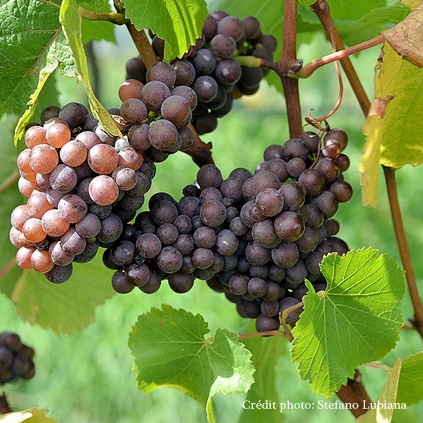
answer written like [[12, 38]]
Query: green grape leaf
[[178, 22], [29, 39], [383, 409], [31, 415], [170, 350], [356, 320], [395, 113], [63, 308], [71, 22], [58, 55], [410, 387], [266, 352]]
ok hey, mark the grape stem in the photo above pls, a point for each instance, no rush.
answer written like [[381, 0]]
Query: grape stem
[[404, 251], [139, 38], [321, 9], [308, 69], [115, 18], [287, 62]]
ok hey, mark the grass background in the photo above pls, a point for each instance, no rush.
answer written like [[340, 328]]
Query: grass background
[[87, 377]]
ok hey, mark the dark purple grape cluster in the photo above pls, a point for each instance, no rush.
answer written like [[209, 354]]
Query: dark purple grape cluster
[[16, 359], [255, 237], [212, 67], [82, 186]]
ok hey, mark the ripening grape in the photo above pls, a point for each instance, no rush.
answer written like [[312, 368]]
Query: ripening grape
[[103, 190]]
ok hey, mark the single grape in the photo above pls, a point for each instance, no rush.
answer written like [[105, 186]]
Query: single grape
[[43, 158], [133, 110], [102, 159], [162, 71], [131, 88], [103, 190], [163, 135], [58, 134], [153, 94], [72, 208]]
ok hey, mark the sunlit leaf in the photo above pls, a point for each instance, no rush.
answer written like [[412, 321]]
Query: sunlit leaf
[[383, 409], [399, 84], [72, 21], [178, 22], [410, 388], [354, 321]]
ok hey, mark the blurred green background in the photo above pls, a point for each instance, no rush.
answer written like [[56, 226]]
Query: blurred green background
[[87, 377]]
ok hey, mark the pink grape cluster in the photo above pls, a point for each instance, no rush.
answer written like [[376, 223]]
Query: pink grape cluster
[[80, 190]]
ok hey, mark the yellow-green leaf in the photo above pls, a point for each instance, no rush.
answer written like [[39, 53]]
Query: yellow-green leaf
[[410, 388], [383, 409], [399, 85], [71, 22], [31, 415]]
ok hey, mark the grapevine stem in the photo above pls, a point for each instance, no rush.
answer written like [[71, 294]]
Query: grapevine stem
[[287, 62], [139, 38], [115, 18], [308, 69], [403, 248], [321, 8]]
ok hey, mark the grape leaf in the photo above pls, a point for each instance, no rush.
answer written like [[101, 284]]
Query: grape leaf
[[387, 133], [266, 352], [354, 321], [71, 22], [31, 415], [63, 308], [58, 54], [170, 350], [384, 408], [178, 22], [405, 37], [29, 32], [410, 387]]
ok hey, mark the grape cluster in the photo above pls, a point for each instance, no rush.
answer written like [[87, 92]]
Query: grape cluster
[[16, 359], [255, 237], [212, 67], [82, 187]]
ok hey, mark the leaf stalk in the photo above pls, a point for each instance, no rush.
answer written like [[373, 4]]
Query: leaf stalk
[[115, 18]]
